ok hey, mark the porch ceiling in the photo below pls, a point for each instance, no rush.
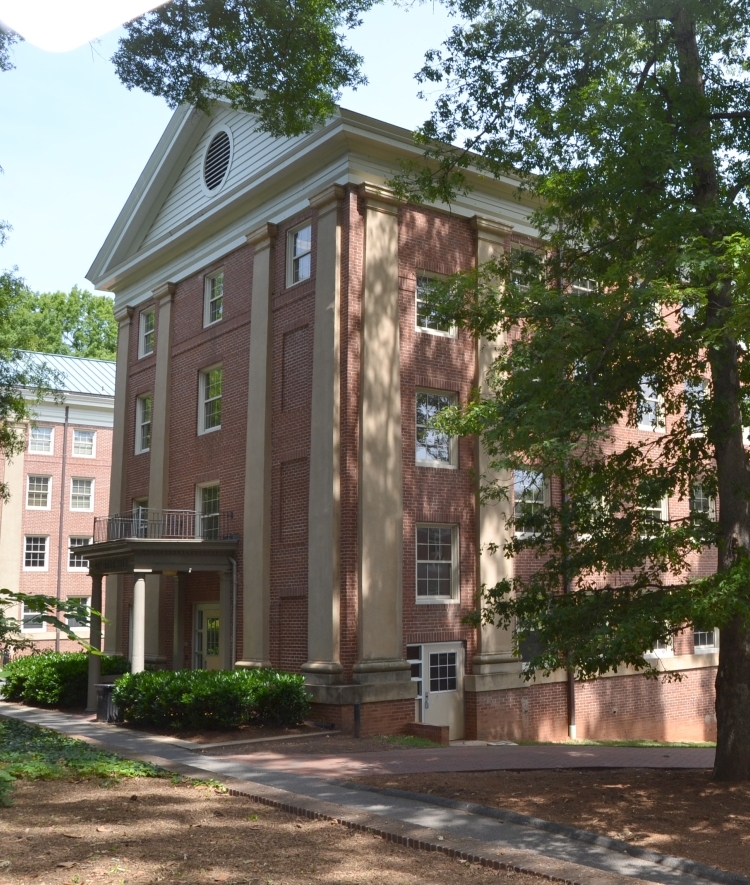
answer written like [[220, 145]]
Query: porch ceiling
[[157, 555]]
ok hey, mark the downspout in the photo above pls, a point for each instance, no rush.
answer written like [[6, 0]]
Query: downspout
[[62, 523], [234, 609]]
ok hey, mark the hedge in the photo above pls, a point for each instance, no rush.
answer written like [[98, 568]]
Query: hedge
[[205, 699], [54, 679]]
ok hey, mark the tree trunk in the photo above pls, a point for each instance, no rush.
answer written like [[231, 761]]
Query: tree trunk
[[724, 427]]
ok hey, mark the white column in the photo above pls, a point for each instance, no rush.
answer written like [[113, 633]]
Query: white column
[[256, 543], [494, 646], [113, 596], [138, 662], [95, 640], [11, 530], [225, 621], [323, 581], [380, 483], [178, 624]]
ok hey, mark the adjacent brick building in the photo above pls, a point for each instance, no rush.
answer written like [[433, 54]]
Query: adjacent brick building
[[276, 495], [57, 484]]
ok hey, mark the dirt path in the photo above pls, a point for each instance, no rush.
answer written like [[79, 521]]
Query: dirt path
[[152, 831], [676, 812]]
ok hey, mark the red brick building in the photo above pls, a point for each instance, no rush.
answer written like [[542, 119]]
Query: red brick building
[[57, 484], [277, 497]]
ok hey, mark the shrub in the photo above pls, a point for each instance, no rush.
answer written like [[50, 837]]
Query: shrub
[[54, 679], [203, 699]]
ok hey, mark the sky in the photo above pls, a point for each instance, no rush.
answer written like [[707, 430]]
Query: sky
[[73, 140]]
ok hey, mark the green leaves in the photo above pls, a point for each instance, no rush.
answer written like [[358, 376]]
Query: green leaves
[[54, 679], [285, 62]]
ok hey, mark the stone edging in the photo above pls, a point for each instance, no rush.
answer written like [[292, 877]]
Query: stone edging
[[681, 864]]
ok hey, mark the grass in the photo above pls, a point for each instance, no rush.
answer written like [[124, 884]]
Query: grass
[[408, 740], [588, 743], [33, 753]]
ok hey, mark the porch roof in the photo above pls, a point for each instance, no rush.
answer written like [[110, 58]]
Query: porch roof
[[158, 556]]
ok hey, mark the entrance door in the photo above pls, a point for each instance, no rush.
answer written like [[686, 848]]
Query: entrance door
[[443, 686], [207, 638]]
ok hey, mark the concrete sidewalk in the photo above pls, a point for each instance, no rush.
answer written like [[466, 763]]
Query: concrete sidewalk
[[504, 840]]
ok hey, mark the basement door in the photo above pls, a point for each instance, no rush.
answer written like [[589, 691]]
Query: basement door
[[207, 638], [438, 670]]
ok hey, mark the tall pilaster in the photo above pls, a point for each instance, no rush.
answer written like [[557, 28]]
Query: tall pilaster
[[380, 482], [158, 481], [11, 529], [256, 542], [118, 478], [494, 646], [324, 515]]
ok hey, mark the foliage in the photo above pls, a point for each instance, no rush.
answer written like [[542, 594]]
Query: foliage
[[54, 679], [627, 128], [212, 698], [285, 62], [48, 609], [75, 323], [28, 751]]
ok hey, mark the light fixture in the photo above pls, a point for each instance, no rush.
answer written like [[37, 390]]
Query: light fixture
[[62, 25]]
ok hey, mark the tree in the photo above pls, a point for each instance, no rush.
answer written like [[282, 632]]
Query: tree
[[76, 323], [285, 62], [628, 122]]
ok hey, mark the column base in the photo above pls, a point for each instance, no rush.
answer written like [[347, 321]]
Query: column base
[[383, 670], [496, 662], [253, 665], [322, 672]]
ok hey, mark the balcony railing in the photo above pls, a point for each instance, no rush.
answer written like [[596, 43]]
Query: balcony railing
[[178, 525]]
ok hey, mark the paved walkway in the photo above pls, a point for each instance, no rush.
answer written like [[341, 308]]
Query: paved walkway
[[540, 847]]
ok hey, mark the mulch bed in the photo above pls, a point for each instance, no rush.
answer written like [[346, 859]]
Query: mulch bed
[[676, 812]]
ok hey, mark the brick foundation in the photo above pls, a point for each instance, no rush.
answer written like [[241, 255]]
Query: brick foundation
[[383, 717]]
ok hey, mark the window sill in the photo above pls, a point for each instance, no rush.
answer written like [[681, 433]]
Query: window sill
[[452, 335], [437, 600], [441, 465], [210, 430], [706, 650]]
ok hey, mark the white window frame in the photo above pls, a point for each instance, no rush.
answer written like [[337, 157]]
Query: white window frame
[[711, 513], [37, 628], [291, 257], [663, 508], [140, 514], [199, 507], [545, 498], [516, 275], [77, 568], [139, 422], [208, 300], [451, 332], [697, 391], [666, 652], [452, 462], [36, 568], [93, 443], [455, 595], [660, 424], [143, 332], [706, 649], [79, 631], [93, 493], [49, 491], [51, 441], [203, 376]]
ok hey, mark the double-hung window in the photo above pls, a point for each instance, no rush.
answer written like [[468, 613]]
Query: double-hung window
[[77, 562], [701, 503], [437, 563], [147, 336], [650, 409], [39, 493], [73, 620], [655, 516], [209, 417], [40, 440], [208, 508], [31, 621], [83, 443], [695, 392], [704, 639], [143, 424], [529, 499], [213, 306], [425, 316], [583, 287], [81, 494], [434, 447], [35, 553], [299, 255]]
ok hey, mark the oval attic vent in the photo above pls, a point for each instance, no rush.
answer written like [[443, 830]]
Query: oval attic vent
[[217, 160]]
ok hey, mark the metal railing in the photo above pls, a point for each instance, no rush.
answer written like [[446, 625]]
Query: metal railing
[[178, 525]]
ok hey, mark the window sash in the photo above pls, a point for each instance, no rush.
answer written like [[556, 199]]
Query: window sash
[[529, 501], [443, 671], [75, 561], [40, 440], [300, 252], [83, 443], [38, 492], [212, 394], [35, 552], [148, 325], [31, 620], [435, 562], [214, 298], [209, 512], [81, 494], [144, 423], [651, 410], [703, 638], [72, 620], [433, 446], [425, 318]]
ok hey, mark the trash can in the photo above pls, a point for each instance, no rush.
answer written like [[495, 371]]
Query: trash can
[[106, 709]]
